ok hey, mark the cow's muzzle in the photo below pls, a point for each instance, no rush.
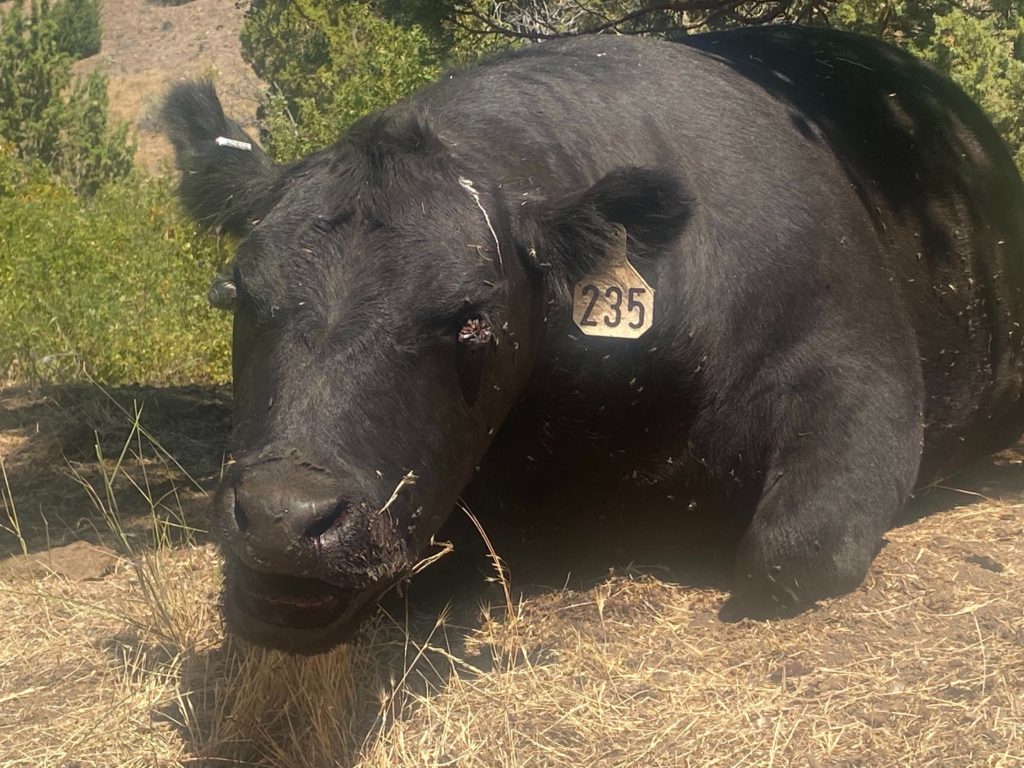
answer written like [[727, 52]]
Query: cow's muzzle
[[305, 553]]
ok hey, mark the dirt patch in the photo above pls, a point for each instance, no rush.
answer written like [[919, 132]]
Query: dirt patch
[[93, 464], [77, 561]]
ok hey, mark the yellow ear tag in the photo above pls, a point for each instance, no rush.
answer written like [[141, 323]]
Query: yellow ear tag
[[616, 302]]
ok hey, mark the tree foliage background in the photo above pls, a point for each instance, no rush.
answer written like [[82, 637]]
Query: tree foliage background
[[98, 270], [328, 62], [47, 116]]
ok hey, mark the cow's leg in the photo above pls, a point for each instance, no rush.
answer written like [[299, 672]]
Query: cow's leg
[[844, 466]]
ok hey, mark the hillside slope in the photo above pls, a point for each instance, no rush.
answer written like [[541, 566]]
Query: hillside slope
[[147, 46]]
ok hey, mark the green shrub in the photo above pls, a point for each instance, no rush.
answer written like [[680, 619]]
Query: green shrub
[[16, 172], [328, 64], [115, 285], [47, 117], [33, 75], [982, 56], [91, 153], [77, 27]]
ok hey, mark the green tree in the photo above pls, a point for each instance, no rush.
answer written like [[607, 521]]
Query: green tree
[[329, 63], [78, 31], [983, 56], [48, 117], [33, 74], [92, 153]]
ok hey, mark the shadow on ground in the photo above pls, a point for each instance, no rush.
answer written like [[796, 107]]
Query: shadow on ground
[[70, 451], [51, 438]]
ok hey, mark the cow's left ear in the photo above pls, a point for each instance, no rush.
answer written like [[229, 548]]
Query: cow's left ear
[[572, 237]]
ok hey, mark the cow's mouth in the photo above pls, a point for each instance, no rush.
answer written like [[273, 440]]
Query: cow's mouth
[[290, 613]]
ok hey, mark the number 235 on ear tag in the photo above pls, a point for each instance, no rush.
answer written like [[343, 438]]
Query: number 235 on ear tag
[[617, 301]]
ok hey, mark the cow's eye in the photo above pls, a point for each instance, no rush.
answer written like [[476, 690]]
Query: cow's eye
[[223, 293], [475, 332]]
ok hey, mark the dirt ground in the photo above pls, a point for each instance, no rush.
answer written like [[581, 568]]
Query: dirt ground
[[112, 654], [57, 442]]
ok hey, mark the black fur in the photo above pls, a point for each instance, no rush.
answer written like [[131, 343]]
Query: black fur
[[834, 235], [571, 236], [224, 188]]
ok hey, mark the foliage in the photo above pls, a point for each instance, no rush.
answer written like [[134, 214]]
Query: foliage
[[45, 115], [115, 284], [16, 173], [329, 63], [984, 56], [92, 154], [544, 19], [78, 32], [97, 270]]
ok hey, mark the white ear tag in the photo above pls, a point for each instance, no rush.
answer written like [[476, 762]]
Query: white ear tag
[[616, 302], [224, 141]]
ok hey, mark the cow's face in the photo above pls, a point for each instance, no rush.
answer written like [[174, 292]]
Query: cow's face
[[388, 308], [374, 360]]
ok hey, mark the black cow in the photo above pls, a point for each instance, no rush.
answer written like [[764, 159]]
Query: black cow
[[820, 309]]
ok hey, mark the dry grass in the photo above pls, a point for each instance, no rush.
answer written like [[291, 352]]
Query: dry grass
[[922, 666], [638, 672]]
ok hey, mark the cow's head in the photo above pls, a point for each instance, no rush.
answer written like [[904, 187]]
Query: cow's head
[[389, 305]]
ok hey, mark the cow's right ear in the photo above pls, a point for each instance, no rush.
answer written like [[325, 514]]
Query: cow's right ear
[[227, 181], [572, 237]]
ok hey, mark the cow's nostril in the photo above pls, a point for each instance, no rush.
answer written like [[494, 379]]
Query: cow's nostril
[[323, 524]]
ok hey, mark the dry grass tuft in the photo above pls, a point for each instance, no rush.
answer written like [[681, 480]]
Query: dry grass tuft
[[923, 665]]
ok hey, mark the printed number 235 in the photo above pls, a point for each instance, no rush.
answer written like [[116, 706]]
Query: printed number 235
[[614, 295]]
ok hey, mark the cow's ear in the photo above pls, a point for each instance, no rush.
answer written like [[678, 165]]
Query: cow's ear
[[227, 181], [573, 236]]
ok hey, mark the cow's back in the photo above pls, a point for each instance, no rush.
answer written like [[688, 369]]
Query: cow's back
[[789, 135], [946, 201]]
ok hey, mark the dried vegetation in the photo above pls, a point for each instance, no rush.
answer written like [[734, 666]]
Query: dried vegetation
[[127, 666]]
